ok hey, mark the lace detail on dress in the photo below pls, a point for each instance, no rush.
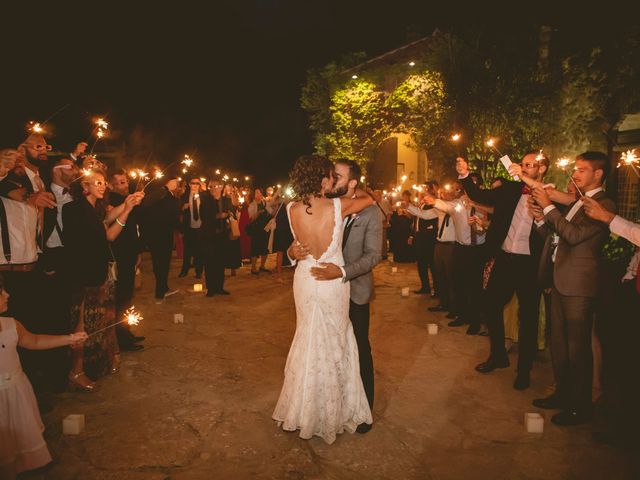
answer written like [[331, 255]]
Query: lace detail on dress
[[322, 392]]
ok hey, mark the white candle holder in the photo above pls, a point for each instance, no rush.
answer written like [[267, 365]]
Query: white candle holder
[[178, 318], [197, 287], [534, 422], [405, 292], [73, 425], [432, 328], [394, 269]]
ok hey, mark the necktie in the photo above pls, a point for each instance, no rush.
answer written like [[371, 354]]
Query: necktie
[[445, 223], [474, 235], [347, 230], [526, 190], [194, 209], [65, 190]]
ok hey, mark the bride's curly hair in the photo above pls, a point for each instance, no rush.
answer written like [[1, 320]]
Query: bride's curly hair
[[306, 176]]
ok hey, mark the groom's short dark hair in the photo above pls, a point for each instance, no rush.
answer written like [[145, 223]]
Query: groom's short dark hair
[[355, 172]]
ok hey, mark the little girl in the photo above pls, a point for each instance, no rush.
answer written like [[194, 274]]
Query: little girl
[[22, 446]]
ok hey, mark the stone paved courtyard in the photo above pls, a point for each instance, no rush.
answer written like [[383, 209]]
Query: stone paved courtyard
[[197, 402]]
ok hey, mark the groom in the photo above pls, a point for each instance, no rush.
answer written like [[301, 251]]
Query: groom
[[361, 249]]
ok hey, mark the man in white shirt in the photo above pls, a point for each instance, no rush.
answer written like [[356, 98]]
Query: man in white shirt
[[443, 253], [513, 249], [467, 265], [191, 229]]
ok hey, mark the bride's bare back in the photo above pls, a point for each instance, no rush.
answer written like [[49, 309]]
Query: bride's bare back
[[315, 230]]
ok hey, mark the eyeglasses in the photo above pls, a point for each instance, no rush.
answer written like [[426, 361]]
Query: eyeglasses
[[40, 148], [529, 165]]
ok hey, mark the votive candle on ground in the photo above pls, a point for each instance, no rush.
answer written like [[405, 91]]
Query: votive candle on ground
[[178, 318], [534, 422], [432, 328], [394, 269], [197, 287], [73, 424], [405, 292]]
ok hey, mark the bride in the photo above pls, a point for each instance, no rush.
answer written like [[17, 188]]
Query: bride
[[322, 393]]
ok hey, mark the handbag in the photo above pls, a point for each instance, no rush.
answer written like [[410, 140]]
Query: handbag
[[234, 228]]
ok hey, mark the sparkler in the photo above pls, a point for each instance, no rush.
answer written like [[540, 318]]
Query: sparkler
[[491, 143], [630, 159], [130, 316], [35, 127], [456, 137], [562, 164], [100, 130], [187, 161]]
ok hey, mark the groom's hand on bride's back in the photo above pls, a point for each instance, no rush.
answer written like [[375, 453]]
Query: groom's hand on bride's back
[[326, 271], [298, 251]]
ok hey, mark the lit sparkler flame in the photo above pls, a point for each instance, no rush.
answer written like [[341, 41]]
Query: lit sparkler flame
[[100, 133], [491, 142], [447, 187], [132, 317], [188, 161], [246, 178], [456, 137], [458, 208], [217, 171], [133, 174], [86, 172], [36, 127], [628, 158], [101, 123], [563, 163], [158, 174], [403, 178], [540, 156]]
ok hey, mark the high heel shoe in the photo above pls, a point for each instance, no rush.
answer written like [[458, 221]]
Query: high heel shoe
[[80, 382], [115, 364]]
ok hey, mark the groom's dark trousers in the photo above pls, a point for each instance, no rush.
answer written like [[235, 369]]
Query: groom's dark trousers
[[359, 315]]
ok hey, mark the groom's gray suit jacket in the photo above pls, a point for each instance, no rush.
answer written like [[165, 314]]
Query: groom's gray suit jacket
[[362, 252]]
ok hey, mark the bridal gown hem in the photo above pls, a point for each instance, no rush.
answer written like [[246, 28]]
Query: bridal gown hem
[[322, 394]]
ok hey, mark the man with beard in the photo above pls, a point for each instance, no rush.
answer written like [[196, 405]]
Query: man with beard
[[513, 248], [361, 248]]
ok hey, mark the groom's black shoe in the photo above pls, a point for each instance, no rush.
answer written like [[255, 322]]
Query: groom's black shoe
[[552, 402], [422, 290], [363, 428], [437, 308]]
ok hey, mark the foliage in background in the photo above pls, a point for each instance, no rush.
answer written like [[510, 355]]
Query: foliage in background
[[532, 88]]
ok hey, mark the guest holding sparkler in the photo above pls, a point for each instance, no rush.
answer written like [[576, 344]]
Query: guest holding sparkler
[[126, 250], [88, 229], [513, 250], [191, 229], [22, 446], [216, 210], [233, 259], [259, 214], [159, 218], [577, 273]]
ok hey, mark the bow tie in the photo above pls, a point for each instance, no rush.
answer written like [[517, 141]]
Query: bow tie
[[526, 190], [65, 190]]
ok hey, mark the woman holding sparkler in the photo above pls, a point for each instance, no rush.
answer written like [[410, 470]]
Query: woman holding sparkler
[[88, 229]]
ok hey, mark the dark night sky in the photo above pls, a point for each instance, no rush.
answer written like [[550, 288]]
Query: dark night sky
[[225, 81]]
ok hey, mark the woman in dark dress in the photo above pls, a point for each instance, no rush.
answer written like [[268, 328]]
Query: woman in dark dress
[[259, 216], [233, 260], [88, 229], [400, 231], [282, 237], [243, 221]]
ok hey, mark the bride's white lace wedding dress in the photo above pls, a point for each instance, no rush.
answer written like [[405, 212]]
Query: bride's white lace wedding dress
[[322, 393]]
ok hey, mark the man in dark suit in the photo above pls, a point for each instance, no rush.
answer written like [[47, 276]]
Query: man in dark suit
[[424, 242], [215, 212], [362, 251], [192, 229], [513, 251], [159, 218], [576, 276]]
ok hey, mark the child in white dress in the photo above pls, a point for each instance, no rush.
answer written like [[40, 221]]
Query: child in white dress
[[22, 446]]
